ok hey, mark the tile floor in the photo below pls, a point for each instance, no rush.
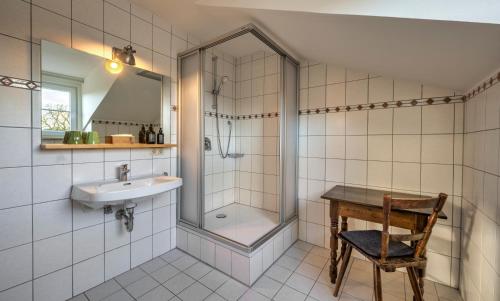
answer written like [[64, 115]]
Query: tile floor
[[300, 274]]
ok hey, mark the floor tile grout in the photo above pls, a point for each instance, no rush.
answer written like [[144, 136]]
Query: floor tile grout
[[308, 254]]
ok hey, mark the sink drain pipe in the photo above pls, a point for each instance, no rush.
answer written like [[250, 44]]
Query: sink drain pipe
[[127, 214]]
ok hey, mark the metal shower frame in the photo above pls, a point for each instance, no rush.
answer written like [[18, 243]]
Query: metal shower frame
[[200, 51]]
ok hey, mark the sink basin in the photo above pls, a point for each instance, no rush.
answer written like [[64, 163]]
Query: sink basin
[[98, 195]]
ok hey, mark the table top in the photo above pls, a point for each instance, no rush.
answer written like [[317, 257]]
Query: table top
[[373, 198]]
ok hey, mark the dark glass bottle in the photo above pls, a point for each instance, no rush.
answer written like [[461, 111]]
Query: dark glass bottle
[[151, 135], [160, 138], [142, 135]]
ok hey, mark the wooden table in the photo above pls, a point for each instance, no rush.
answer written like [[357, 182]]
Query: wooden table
[[366, 204]]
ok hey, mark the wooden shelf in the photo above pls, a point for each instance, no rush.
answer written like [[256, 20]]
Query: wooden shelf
[[57, 146]]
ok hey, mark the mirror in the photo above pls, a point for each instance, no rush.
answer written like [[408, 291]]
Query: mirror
[[84, 92]]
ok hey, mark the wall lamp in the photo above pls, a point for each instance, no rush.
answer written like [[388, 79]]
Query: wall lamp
[[125, 55]]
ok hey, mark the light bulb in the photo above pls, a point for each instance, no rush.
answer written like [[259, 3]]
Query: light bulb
[[114, 67]]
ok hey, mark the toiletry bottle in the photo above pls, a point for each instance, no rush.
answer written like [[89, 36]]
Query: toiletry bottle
[[147, 135], [151, 135], [160, 137], [142, 135]]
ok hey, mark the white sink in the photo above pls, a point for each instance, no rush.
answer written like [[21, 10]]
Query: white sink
[[98, 195]]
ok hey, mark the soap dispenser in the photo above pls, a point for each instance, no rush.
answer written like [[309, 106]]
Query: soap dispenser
[[142, 135], [151, 135], [160, 138]]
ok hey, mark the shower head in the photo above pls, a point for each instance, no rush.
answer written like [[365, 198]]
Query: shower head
[[221, 83]]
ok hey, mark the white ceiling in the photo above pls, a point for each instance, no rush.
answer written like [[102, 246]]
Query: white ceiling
[[480, 11], [454, 55]]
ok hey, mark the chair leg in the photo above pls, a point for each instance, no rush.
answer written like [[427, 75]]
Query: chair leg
[[414, 284], [343, 268], [377, 283]]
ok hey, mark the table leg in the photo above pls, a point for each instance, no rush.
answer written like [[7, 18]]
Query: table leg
[[334, 222], [343, 227]]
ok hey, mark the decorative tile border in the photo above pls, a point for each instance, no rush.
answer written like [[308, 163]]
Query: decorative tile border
[[386, 105], [494, 79], [223, 116], [26, 84], [259, 116], [114, 122], [242, 117]]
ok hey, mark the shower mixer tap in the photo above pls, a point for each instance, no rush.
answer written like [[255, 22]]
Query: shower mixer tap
[[208, 144]]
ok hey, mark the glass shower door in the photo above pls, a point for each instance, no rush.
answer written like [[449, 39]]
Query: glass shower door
[[238, 138], [242, 122], [190, 148]]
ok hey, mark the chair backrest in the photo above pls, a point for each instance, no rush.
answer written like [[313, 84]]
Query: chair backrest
[[420, 238]]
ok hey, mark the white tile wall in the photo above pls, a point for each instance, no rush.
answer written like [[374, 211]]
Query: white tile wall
[[51, 218], [88, 242], [116, 262], [55, 286], [141, 251], [242, 180], [88, 274], [219, 173], [95, 25], [257, 172], [16, 264], [15, 226], [480, 247], [245, 267], [52, 248], [408, 149], [51, 254], [223, 259]]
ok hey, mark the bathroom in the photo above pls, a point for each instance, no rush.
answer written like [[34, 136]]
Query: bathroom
[[274, 116]]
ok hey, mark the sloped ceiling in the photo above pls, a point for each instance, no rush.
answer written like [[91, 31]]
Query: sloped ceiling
[[131, 98], [452, 54], [481, 11]]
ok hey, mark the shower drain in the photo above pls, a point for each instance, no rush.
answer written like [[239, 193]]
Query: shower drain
[[221, 215]]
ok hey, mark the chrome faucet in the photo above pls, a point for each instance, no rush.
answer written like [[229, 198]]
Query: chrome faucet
[[124, 170]]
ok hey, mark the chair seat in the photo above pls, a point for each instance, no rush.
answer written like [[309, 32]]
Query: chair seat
[[369, 242]]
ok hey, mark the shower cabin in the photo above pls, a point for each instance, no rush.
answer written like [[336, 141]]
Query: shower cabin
[[238, 137]]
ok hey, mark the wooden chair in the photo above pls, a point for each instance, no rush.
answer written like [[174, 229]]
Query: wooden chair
[[387, 251]]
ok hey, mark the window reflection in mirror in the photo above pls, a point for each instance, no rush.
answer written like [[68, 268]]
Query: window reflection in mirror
[[84, 92]]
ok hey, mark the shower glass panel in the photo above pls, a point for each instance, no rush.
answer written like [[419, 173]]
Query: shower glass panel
[[242, 79], [190, 147], [289, 139]]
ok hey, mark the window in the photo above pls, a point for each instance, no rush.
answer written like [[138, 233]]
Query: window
[[60, 106]]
